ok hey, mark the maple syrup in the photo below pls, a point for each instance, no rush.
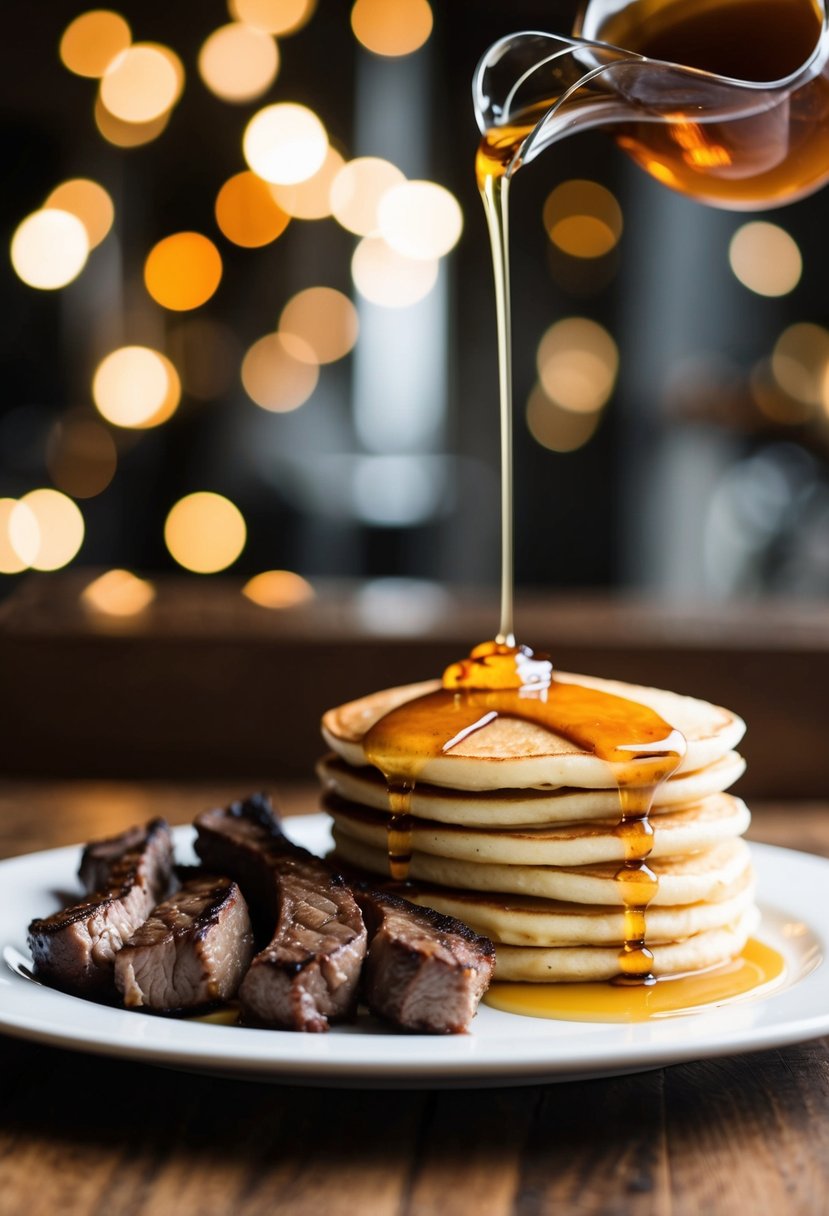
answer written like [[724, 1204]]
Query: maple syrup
[[758, 969], [774, 155]]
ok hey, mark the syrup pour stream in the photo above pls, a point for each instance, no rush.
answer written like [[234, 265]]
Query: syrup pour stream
[[503, 679]]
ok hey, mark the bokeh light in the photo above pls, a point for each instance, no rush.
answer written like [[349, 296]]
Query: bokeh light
[[11, 561], [118, 593], [247, 212], [136, 387], [278, 589], [205, 532], [773, 401], [81, 456], [323, 318], [555, 428], [385, 277], [583, 218], [206, 354], [358, 189], [89, 202], [279, 372], [238, 62], [140, 84], [183, 271], [127, 134], [91, 42], [175, 63], [765, 259], [285, 143], [49, 249], [577, 364], [311, 199], [420, 219], [273, 16], [60, 529], [799, 361], [392, 29]]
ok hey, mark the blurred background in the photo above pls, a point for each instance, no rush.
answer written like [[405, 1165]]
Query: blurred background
[[249, 351], [208, 322]]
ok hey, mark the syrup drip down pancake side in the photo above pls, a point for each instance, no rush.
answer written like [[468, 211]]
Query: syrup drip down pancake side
[[521, 830]]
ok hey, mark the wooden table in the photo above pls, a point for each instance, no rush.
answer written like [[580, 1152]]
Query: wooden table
[[84, 1135]]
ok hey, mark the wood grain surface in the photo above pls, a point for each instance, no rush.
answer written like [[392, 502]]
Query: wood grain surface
[[97, 1137]]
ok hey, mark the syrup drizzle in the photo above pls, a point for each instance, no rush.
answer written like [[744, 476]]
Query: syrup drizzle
[[759, 968], [503, 681]]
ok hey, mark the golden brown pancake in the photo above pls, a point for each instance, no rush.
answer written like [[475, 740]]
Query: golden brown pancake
[[678, 831], [505, 808], [511, 753], [706, 875], [573, 963], [517, 920]]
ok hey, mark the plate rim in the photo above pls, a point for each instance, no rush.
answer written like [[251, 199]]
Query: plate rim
[[473, 1059]]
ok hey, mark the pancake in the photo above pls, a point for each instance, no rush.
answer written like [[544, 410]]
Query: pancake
[[520, 921], [678, 831], [571, 963], [695, 878], [510, 753], [505, 808]]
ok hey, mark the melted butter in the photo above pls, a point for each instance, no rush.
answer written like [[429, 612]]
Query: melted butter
[[758, 969], [503, 680]]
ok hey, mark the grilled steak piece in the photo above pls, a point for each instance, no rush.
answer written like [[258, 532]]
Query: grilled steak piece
[[75, 949], [424, 971], [191, 952], [309, 972], [100, 856]]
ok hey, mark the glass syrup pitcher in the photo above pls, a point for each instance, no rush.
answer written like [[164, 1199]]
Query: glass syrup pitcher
[[726, 101]]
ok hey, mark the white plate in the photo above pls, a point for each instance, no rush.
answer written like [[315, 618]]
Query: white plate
[[502, 1049]]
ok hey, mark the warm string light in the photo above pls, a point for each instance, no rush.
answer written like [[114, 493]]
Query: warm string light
[[92, 41], [89, 202], [577, 362], [183, 271], [311, 199], [388, 278], [324, 320], [247, 213], [140, 84], [44, 530], [357, 191], [282, 17], [392, 29], [205, 532], [765, 259], [285, 143], [278, 589], [294, 173], [136, 387], [238, 62], [49, 249], [280, 372], [118, 593], [583, 219]]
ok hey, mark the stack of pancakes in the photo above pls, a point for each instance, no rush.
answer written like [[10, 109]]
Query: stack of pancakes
[[514, 831]]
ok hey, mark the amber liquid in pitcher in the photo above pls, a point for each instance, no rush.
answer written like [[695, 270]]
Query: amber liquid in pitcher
[[757, 161]]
